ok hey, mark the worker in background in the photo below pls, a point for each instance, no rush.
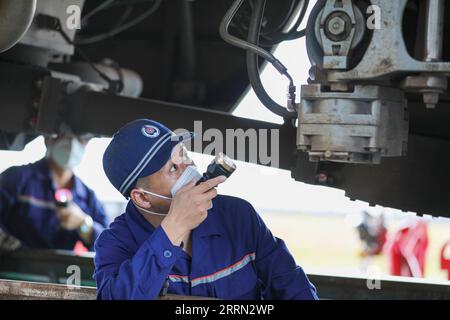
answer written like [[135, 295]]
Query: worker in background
[[372, 233], [181, 238], [27, 200], [408, 249]]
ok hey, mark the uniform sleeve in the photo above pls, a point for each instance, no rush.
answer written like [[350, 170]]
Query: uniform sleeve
[[98, 214], [281, 277], [121, 275], [9, 181]]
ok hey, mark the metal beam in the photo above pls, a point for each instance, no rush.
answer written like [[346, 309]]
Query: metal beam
[[103, 114], [418, 182], [24, 290]]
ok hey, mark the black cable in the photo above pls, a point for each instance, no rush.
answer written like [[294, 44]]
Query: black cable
[[270, 38], [304, 9], [253, 66], [284, 21], [126, 14], [223, 30], [293, 33], [256, 51], [104, 5], [115, 31]]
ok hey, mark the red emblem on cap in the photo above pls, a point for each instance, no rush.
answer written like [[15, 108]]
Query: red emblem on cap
[[150, 131]]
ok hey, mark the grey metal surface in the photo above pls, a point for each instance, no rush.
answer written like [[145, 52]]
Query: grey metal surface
[[387, 55], [132, 81], [360, 126], [339, 28], [16, 17], [429, 84], [434, 34], [51, 40], [417, 182]]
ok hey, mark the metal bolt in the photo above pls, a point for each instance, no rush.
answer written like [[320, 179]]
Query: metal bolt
[[336, 26], [431, 99]]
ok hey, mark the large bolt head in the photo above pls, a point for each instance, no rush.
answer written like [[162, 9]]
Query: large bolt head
[[431, 99], [336, 26]]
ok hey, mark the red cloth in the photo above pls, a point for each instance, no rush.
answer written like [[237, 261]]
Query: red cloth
[[445, 263], [80, 247], [407, 252]]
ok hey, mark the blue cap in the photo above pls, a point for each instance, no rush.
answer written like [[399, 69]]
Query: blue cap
[[137, 150]]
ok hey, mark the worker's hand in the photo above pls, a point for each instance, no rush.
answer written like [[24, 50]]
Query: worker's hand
[[189, 208], [71, 218]]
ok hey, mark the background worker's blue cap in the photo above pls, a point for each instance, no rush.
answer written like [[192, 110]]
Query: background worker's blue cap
[[137, 150]]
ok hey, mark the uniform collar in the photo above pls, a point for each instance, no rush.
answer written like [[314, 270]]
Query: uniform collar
[[43, 173]]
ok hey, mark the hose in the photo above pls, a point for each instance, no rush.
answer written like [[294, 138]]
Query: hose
[[254, 50]]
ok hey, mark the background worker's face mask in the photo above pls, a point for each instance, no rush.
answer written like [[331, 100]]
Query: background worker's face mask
[[189, 174], [67, 152]]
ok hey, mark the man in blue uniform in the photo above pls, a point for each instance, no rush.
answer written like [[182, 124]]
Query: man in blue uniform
[[184, 239], [27, 206]]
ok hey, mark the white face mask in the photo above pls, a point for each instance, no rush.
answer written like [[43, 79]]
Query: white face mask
[[67, 152], [189, 174]]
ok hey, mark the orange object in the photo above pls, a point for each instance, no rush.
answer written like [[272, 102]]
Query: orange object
[[445, 263], [80, 248]]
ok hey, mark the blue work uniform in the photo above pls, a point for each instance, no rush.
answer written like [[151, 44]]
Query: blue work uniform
[[234, 256], [27, 209]]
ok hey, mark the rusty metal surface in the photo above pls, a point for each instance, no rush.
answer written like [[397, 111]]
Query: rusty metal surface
[[22, 290], [329, 287]]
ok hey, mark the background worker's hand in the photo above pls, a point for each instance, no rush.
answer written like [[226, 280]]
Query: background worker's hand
[[189, 208], [72, 217]]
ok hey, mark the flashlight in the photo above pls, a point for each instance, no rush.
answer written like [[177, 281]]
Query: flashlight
[[220, 166], [63, 197]]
